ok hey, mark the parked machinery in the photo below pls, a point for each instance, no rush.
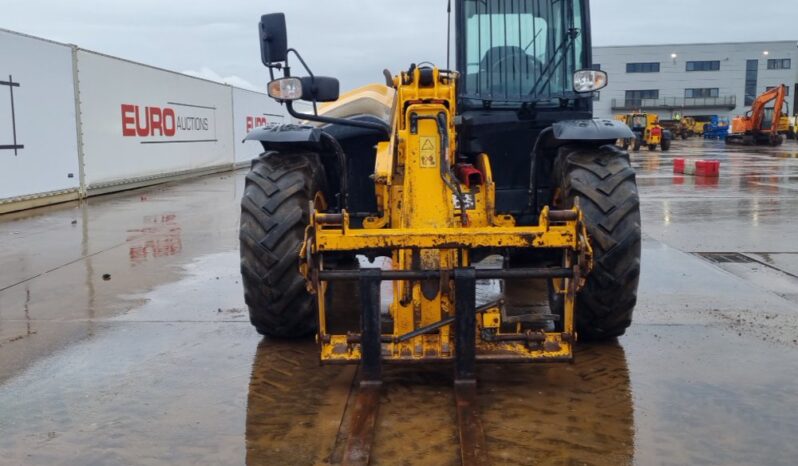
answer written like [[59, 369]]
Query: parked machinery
[[647, 132], [700, 122], [755, 127], [792, 130], [432, 173], [786, 122], [688, 123], [679, 127], [717, 128]]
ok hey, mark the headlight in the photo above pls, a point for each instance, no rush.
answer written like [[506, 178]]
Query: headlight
[[589, 80], [286, 89]]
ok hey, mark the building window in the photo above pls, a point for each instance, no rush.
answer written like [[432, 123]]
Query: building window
[[595, 66], [646, 94], [779, 64], [635, 98], [642, 67], [786, 93], [701, 93], [712, 65], [751, 76], [596, 96]]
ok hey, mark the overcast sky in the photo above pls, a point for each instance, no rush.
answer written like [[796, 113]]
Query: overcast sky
[[353, 39]]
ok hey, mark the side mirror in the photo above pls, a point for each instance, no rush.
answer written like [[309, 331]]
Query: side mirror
[[273, 39], [320, 89]]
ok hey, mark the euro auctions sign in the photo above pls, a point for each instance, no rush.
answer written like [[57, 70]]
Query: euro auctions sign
[[256, 122], [171, 123]]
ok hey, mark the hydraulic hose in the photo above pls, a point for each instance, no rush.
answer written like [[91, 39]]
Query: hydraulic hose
[[342, 163]]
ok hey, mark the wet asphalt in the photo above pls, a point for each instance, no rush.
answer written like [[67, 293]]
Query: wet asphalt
[[124, 339]]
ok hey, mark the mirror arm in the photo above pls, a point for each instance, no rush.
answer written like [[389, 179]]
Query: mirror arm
[[301, 60], [286, 68], [336, 121], [310, 73]]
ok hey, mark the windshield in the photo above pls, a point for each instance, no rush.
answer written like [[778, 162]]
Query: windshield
[[521, 50]]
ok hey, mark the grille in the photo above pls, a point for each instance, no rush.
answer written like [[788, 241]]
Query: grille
[[725, 257]]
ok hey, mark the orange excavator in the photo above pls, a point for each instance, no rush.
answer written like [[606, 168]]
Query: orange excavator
[[754, 127]]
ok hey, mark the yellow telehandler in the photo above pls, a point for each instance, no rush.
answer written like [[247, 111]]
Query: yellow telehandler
[[647, 132], [429, 174]]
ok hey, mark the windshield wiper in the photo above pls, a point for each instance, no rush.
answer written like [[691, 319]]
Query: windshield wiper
[[556, 59]]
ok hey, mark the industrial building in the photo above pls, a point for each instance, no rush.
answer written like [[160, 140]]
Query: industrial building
[[694, 79]]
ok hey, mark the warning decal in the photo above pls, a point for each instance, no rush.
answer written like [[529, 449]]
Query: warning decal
[[429, 151]]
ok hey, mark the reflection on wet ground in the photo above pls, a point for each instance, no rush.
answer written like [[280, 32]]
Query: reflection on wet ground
[[532, 415], [579, 414], [124, 340]]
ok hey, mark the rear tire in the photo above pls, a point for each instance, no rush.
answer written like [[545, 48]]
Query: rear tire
[[604, 181], [274, 215], [652, 147]]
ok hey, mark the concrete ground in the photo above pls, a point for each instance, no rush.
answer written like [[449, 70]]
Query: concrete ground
[[124, 340]]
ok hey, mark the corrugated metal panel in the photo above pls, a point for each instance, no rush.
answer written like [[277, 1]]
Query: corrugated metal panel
[[142, 122], [38, 143], [251, 110]]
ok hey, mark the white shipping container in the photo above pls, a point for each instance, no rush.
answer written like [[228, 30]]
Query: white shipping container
[[142, 124], [251, 110], [38, 134]]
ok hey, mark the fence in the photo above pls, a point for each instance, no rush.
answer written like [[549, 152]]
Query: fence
[[673, 103], [76, 123], [38, 133]]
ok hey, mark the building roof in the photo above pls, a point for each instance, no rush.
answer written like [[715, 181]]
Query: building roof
[[701, 44]]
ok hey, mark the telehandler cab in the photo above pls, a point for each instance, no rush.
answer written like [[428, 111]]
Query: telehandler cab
[[436, 170]]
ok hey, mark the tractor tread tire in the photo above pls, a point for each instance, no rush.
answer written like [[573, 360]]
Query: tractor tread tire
[[274, 214], [604, 181]]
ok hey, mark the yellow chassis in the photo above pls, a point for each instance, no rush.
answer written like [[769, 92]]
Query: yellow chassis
[[429, 221], [568, 235]]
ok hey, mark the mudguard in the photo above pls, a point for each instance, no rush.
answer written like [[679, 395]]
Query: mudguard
[[275, 137], [591, 130]]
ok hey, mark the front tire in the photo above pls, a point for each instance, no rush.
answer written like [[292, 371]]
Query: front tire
[[665, 145], [604, 181], [274, 214]]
